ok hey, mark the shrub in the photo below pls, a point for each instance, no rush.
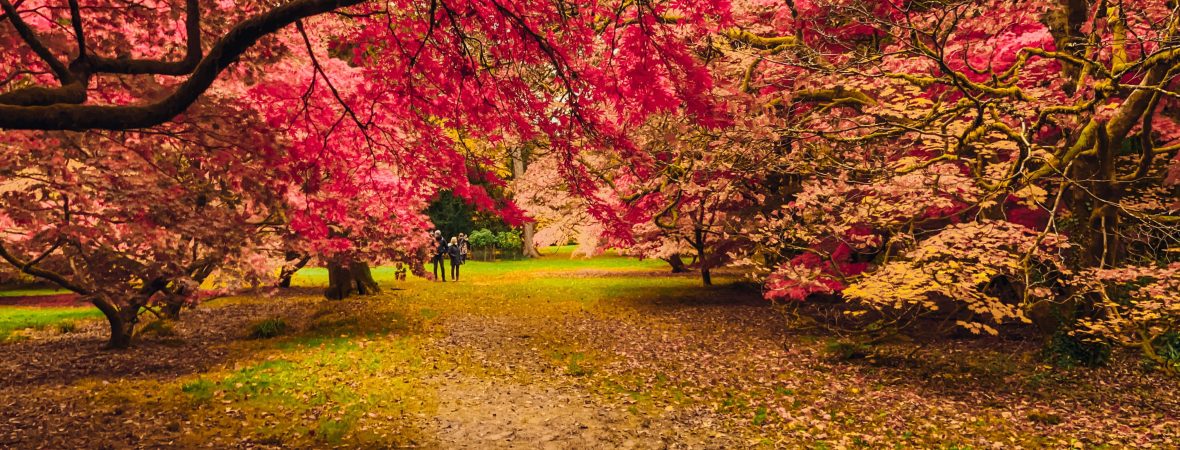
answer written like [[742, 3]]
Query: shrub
[[509, 241], [847, 350], [1168, 349], [268, 328], [483, 239], [67, 327], [1066, 350], [1139, 308], [958, 265]]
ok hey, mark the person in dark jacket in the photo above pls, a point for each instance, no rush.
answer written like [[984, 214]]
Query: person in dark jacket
[[440, 250], [464, 248], [456, 255]]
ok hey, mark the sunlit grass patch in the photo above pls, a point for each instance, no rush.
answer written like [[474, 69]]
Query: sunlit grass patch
[[347, 374], [200, 389], [268, 328], [338, 391], [549, 264], [16, 318]]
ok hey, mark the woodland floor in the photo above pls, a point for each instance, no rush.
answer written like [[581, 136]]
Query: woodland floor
[[556, 353]]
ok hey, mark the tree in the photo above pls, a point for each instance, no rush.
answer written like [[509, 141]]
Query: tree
[[696, 198], [339, 127], [904, 134], [451, 215], [560, 216], [135, 222]]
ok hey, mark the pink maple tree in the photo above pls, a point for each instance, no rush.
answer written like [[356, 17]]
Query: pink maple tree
[[237, 139]]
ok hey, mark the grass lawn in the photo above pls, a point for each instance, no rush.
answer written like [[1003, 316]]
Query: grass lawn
[[16, 318], [554, 261]]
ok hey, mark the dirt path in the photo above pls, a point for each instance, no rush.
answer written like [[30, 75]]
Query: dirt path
[[526, 393], [475, 413]]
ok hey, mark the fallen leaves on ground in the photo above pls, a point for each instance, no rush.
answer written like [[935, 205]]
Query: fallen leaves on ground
[[601, 362]]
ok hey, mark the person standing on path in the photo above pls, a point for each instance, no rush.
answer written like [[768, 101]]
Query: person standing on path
[[440, 249], [456, 258], [464, 248]]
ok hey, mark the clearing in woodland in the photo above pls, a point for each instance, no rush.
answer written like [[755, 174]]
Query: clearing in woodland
[[555, 353]]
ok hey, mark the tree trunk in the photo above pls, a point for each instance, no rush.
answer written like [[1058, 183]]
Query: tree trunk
[[172, 307], [1105, 247], [345, 278], [699, 245], [288, 272], [529, 249], [677, 263], [121, 322], [340, 283], [1096, 233], [176, 300], [363, 277]]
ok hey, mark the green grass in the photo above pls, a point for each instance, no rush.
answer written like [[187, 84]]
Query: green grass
[[268, 328], [553, 259], [32, 292], [352, 370], [200, 389], [16, 318], [548, 285], [313, 390]]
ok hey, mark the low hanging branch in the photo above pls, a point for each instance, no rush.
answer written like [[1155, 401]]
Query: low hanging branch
[[30, 267], [41, 108]]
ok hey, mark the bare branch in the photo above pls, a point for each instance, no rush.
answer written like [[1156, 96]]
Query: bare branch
[[38, 272]]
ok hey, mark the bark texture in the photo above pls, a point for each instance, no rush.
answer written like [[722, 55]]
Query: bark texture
[[348, 277]]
